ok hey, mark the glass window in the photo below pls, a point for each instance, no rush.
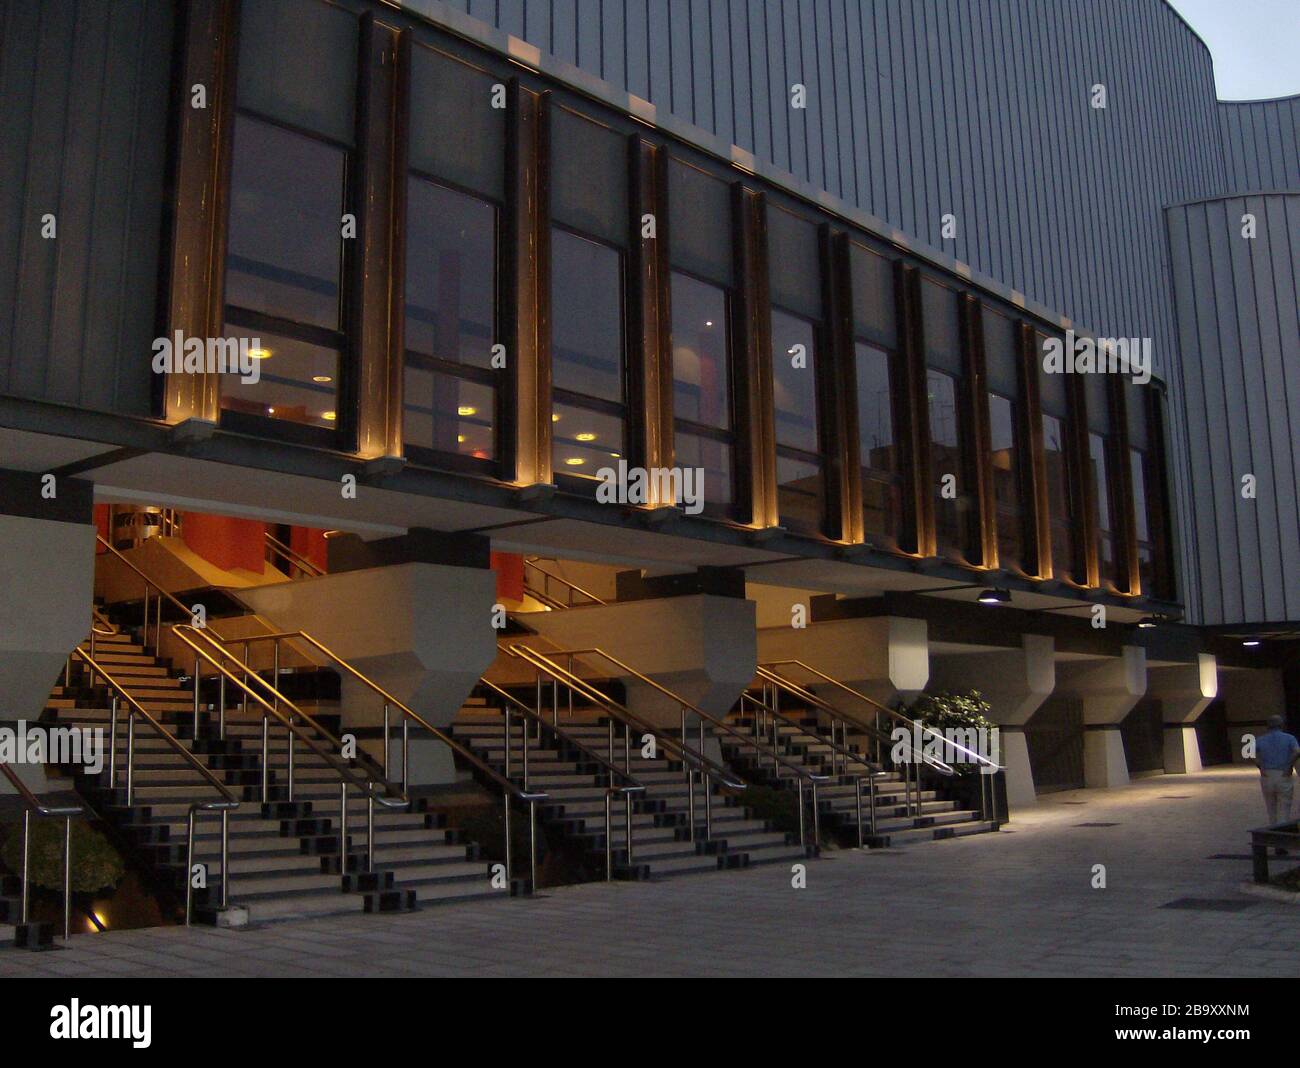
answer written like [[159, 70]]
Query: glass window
[[1058, 496], [284, 272], [1141, 516], [586, 352], [1099, 472], [451, 386], [953, 503], [702, 384], [801, 483], [1006, 479], [877, 451]]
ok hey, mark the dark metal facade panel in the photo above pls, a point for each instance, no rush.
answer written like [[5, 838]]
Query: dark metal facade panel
[[83, 95], [1261, 143], [1239, 386]]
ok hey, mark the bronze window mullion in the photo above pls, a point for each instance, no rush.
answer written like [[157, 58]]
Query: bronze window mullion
[[649, 352], [916, 434], [839, 428], [1036, 507], [752, 332], [1159, 517], [203, 140], [378, 261], [1078, 465], [524, 292], [1124, 506], [978, 445]]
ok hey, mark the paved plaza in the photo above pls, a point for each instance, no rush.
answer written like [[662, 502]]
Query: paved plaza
[[1021, 902]]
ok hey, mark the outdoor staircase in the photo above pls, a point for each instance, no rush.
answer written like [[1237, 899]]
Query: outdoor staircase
[[804, 742], [284, 855], [561, 764]]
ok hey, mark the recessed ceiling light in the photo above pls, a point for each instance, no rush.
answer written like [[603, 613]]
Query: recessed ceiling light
[[466, 409], [321, 378], [270, 411], [575, 461], [555, 418], [708, 322], [330, 416], [1250, 643], [1147, 622], [259, 354], [460, 439], [994, 595], [585, 436]]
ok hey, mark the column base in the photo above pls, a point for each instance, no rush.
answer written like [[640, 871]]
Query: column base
[[1104, 765]]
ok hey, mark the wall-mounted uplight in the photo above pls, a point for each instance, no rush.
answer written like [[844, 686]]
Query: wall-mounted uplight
[[995, 595], [1147, 622]]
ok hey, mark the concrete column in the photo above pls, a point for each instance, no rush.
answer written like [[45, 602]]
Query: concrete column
[[702, 647], [1015, 682], [421, 631], [1250, 696], [1184, 691], [1109, 688]]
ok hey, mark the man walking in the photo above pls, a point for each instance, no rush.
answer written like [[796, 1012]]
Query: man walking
[[1276, 754]]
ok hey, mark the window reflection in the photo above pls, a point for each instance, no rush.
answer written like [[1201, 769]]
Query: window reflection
[[877, 451], [1058, 496], [801, 482], [1099, 472], [1006, 479], [702, 386], [952, 514]]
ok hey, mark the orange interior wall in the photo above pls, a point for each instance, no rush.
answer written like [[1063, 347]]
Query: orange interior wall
[[226, 541], [309, 542], [102, 520], [510, 575]]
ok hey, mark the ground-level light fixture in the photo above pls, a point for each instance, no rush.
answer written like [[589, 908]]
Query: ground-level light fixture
[[995, 595]]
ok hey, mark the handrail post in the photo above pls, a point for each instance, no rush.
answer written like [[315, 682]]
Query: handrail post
[[189, 869], [196, 698], [26, 866], [144, 624], [130, 756], [871, 798], [221, 708], [505, 793], [370, 827], [817, 818], [343, 828], [225, 858], [243, 704], [266, 758], [288, 736], [112, 745], [505, 716], [406, 753], [67, 878], [803, 837], [708, 794], [690, 781], [857, 800], [609, 843], [532, 846], [385, 739]]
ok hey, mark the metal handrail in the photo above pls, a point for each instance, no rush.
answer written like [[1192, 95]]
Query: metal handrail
[[694, 761], [32, 806], [508, 788], [631, 785], [187, 611], [106, 626], [292, 556], [228, 800], [973, 757], [573, 587]]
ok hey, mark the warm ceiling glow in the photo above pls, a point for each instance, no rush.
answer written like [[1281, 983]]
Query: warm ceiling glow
[[466, 409], [329, 416], [321, 378], [585, 436], [260, 354], [270, 411], [460, 439], [575, 461], [555, 418]]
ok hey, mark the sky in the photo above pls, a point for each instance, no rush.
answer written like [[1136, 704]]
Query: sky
[[1255, 44]]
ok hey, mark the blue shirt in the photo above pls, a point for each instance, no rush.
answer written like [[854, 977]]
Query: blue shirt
[[1275, 749]]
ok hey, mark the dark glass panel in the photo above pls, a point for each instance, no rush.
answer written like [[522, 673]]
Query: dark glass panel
[[586, 317], [449, 414], [583, 441], [801, 493], [450, 274], [716, 458], [795, 400], [700, 353], [297, 383], [1058, 496], [876, 447], [1006, 479], [285, 237]]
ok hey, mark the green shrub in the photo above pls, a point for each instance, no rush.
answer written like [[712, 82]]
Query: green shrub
[[960, 710], [96, 865]]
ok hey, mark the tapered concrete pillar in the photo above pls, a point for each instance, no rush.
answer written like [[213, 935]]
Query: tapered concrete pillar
[[1250, 696], [702, 647], [1184, 691], [1108, 689], [1014, 682], [886, 657], [421, 631]]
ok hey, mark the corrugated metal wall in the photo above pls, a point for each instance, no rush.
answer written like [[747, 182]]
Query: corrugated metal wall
[[1239, 330], [1261, 144], [83, 108]]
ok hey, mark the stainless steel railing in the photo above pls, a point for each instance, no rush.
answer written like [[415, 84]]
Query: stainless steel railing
[[32, 806], [225, 804], [542, 591], [627, 791], [510, 792], [278, 550], [805, 778]]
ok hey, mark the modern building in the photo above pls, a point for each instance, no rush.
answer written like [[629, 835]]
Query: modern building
[[967, 331]]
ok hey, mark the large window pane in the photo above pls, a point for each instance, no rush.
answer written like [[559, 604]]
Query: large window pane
[[450, 274], [1058, 496], [700, 364], [449, 414], [793, 374], [297, 383], [801, 492], [715, 458], [1141, 516], [1006, 479], [951, 513], [584, 440], [876, 446], [586, 317], [285, 238], [1100, 474]]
